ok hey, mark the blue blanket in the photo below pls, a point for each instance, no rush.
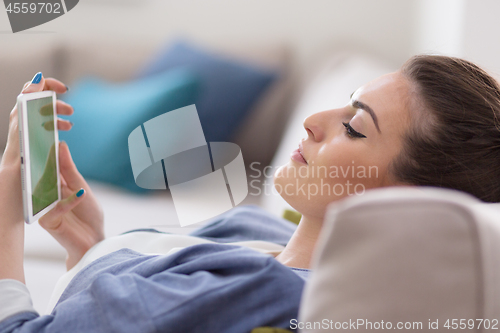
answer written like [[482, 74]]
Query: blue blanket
[[202, 288]]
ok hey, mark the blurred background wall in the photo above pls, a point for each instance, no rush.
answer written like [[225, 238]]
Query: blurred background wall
[[462, 28], [385, 27], [393, 29]]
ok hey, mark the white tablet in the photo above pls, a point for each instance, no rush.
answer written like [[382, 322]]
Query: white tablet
[[39, 144]]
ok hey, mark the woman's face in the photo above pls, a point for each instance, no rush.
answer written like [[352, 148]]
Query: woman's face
[[347, 150]]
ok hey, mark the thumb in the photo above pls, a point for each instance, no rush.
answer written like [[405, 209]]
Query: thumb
[[53, 219], [36, 84]]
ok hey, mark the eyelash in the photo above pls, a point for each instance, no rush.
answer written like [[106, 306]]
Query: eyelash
[[351, 132]]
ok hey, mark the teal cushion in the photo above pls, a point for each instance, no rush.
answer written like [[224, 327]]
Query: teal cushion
[[106, 113]]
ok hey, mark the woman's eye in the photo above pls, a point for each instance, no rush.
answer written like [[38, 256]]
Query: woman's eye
[[351, 132]]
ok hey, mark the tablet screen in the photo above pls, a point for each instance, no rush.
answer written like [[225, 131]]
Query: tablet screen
[[42, 153]]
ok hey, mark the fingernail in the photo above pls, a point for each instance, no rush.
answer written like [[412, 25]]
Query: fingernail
[[67, 88], [80, 193], [37, 78], [71, 123], [43, 124]]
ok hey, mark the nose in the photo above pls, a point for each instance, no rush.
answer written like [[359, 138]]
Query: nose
[[316, 124]]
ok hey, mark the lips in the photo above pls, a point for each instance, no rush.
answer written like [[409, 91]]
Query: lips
[[298, 155]]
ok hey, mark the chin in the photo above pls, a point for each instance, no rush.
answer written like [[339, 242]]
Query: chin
[[287, 187]]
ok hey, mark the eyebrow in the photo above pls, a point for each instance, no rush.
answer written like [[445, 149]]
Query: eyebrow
[[360, 105]]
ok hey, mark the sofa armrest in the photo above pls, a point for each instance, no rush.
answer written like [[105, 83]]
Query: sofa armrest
[[405, 255]]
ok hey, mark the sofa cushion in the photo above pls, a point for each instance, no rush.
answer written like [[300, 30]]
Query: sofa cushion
[[228, 88], [410, 255], [106, 113]]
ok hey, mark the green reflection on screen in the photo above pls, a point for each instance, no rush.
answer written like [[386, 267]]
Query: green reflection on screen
[[42, 153]]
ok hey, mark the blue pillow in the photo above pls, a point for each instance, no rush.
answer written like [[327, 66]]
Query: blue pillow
[[228, 89], [106, 113]]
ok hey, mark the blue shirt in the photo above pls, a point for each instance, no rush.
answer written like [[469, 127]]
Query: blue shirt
[[202, 288]]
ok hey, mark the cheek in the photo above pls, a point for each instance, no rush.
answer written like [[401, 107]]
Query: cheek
[[344, 173], [351, 162], [335, 173]]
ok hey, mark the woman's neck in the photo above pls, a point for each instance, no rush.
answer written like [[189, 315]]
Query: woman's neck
[[299, 249]]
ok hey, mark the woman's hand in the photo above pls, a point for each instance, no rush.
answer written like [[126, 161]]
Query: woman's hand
[[10, 165], [11, 202], [76, 222]]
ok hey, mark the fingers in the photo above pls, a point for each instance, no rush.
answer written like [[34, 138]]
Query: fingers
[[64, 187], [36, 84], [46, 110], [61, 106], [39, 83], [64, 108], [52, 220], [62, 125], [55, 85], [68, 169]]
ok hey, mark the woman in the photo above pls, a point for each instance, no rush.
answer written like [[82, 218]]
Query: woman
[[433, 122]]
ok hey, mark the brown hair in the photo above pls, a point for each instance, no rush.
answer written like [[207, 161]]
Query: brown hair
[[454, 141]]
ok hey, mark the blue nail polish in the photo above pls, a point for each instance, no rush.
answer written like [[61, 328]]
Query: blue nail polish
[[80, 193], [67, 88], [37, 78]]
